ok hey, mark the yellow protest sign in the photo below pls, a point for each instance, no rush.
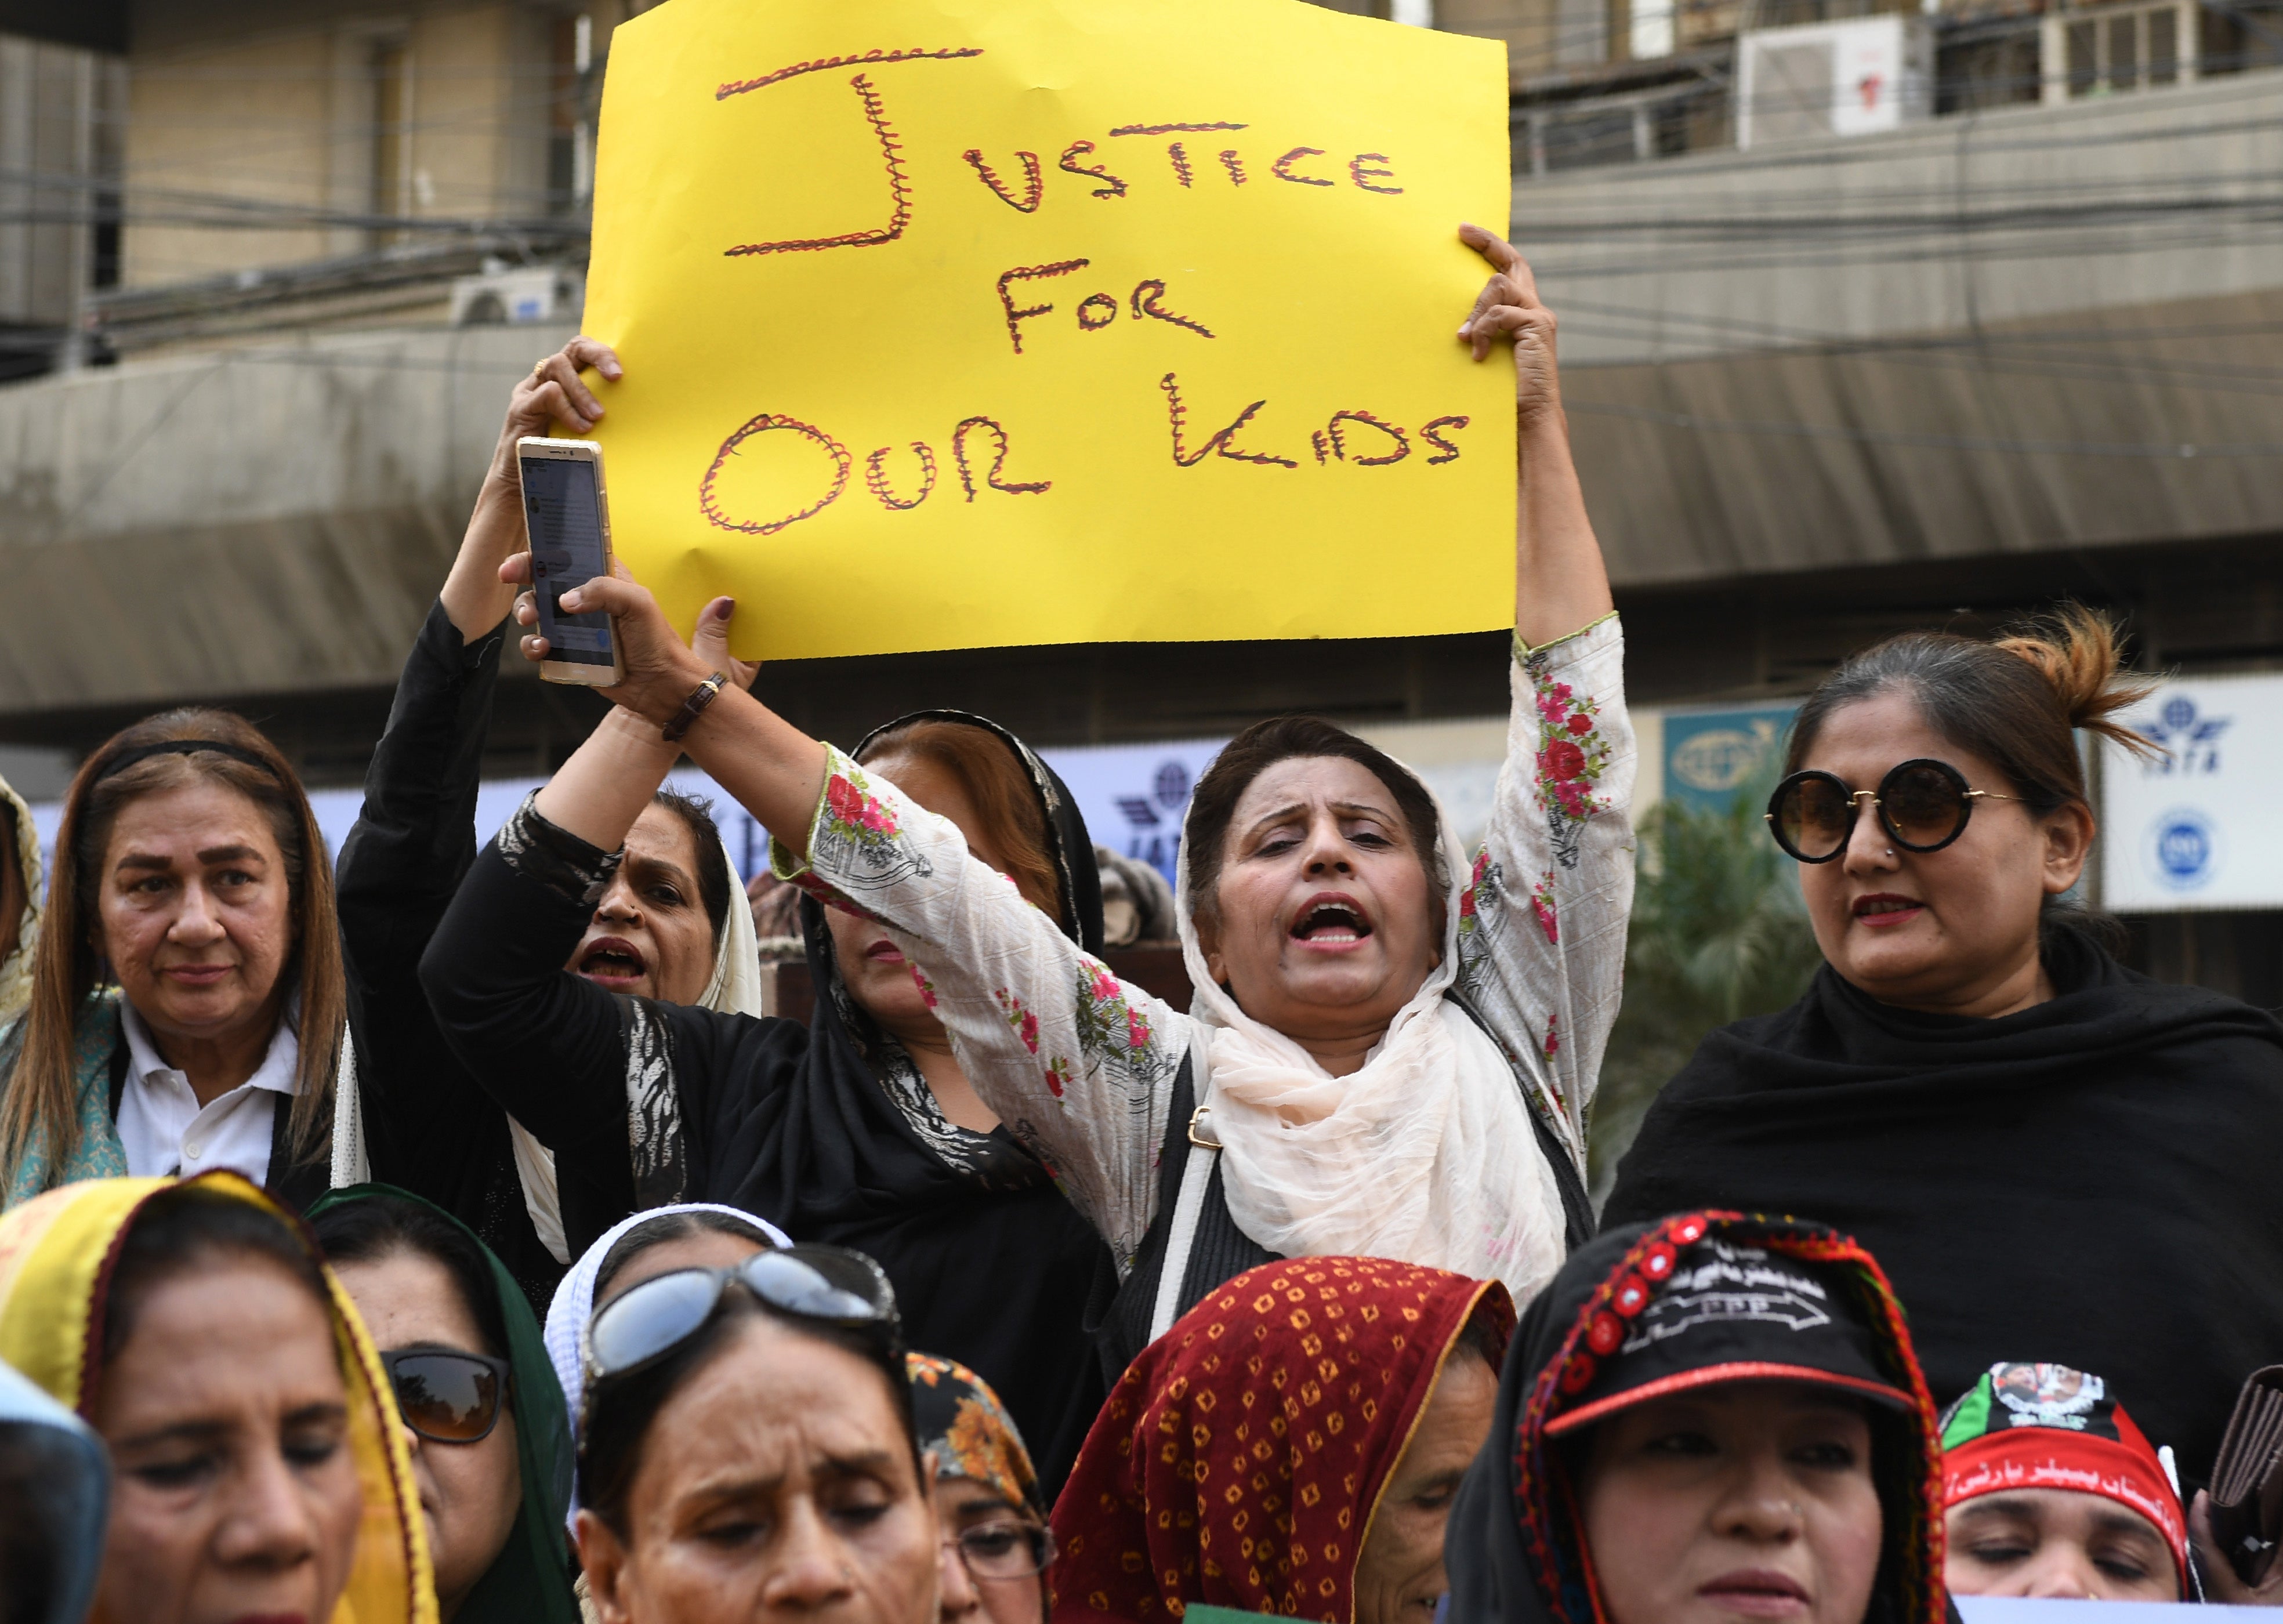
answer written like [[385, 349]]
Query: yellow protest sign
[[955, 323]]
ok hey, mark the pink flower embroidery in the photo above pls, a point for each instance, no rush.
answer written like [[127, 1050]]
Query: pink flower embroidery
[[1553, 1043], [1581, 723], [1563, 761], [1137, 1029], [1542, 904], [926, 987], [1058, 1076], [1019, 1020], [856, 809]]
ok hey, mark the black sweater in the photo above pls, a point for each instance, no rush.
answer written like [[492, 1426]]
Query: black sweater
[[430, 1127]]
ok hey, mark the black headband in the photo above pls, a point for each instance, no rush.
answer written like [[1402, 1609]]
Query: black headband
[[127, 759]]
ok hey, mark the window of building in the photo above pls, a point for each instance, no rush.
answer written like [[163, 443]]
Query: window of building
[[2119, 49], [391, 76]]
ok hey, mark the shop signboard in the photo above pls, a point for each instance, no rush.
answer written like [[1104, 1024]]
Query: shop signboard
[[2192, 829], [1711, 755]]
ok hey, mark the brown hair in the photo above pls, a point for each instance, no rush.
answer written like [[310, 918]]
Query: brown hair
[[1281, 738], [1001, 792], [189, 1224], [40, 1104], [2016, 701]]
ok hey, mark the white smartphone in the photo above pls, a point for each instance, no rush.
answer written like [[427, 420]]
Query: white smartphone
[[566, 517]]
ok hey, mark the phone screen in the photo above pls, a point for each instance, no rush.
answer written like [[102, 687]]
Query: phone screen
[[565, 520]]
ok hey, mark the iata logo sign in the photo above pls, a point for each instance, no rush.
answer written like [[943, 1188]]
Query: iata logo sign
[[2191, 742]]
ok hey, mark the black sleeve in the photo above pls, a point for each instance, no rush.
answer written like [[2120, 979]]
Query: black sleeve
[[550, 1047], [415, 835], [560, 1054], [428, 1126]]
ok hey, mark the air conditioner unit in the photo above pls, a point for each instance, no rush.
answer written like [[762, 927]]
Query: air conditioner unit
[[527, 293], [1824, 79]]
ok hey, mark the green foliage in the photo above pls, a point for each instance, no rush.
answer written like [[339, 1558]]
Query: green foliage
[[1717, 933]]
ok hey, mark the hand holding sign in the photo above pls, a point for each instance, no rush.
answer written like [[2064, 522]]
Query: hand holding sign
[[1508, 308], [950, 326]]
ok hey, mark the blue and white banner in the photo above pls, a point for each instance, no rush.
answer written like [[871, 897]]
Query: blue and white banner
[[2193, 828], [1133, 796]]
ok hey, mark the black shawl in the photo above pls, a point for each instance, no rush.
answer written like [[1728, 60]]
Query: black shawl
[[2092, 1181], [1514, 1550], [991, 1267]]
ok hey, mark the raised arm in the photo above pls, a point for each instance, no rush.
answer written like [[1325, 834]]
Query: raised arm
[[1077, 1064], [415, 836], [1544, 932], [1560, 583]]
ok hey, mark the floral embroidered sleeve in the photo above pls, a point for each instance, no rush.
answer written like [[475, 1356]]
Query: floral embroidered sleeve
[[1542, 924], [1077, 1063]]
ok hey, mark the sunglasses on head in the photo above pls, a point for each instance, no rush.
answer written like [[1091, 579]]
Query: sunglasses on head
[[1922, 805], [443, 1394], [830, 1285]]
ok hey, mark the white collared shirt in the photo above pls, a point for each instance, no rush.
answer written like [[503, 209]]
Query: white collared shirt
[[163, 1129]]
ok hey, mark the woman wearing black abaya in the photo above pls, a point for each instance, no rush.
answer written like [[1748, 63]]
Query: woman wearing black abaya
[[2045, 1149], [859, 1129]]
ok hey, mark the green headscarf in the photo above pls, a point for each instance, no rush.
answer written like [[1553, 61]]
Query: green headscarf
[[530, 1581]]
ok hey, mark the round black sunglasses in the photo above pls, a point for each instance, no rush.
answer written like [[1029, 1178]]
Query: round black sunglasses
[[1922, 805]]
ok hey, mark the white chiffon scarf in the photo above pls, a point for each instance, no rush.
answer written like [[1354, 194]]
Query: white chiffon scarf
[[1427, 1154]]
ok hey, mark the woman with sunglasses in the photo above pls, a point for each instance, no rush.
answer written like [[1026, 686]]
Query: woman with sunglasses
[[748, 1448], [2045, 1149], [996, 1546], [483, 1418]]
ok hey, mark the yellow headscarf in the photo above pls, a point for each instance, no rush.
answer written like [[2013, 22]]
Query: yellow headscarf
[[56, 1255]]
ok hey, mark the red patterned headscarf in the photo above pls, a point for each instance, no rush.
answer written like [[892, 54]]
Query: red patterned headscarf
[[1240, 1458]]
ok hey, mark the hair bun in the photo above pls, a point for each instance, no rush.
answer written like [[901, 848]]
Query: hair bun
[[2080, 654]]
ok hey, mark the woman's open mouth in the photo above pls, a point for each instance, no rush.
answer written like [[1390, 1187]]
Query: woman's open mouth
[[1883, 909], [1331, 923], [613, 962], [1757, 1593]]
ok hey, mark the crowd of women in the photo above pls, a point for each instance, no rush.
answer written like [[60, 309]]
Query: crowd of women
[[443, 1233]]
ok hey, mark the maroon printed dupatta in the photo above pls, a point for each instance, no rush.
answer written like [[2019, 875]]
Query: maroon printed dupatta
[[1239, 1459]]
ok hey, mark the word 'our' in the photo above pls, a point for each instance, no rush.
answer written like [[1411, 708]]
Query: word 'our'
[[973, 476]]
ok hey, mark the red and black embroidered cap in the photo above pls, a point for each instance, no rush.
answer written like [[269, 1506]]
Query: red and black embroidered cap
[[1699, 1312]]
